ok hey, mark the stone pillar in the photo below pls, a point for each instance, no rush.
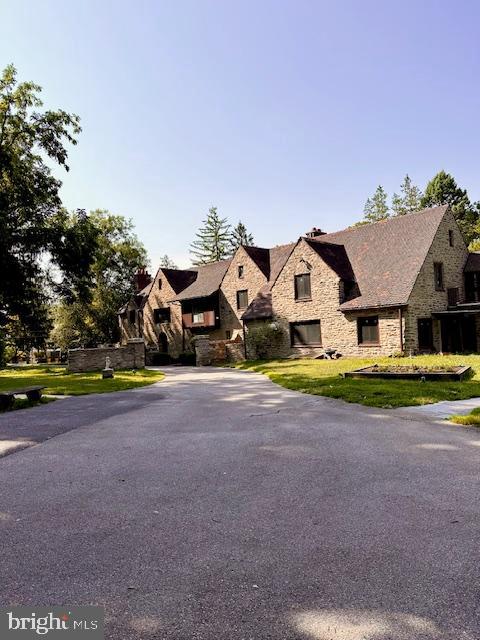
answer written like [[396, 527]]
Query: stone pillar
[[137, 347], [203, 351]]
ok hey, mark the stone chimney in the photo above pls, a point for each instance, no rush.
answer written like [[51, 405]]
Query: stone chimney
[[142, 278], [315, 232]]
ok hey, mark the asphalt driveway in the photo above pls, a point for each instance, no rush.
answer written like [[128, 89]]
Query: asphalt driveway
[[216, 505]]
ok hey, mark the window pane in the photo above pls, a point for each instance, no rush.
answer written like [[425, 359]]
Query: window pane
[[302, 286], [307, 333], [197, 316], [368, 330], [242, 299]]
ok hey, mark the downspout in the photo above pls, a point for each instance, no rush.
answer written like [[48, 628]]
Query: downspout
[[244, 340], [401, 327]]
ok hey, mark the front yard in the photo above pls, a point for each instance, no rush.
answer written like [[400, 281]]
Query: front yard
[[322, 377], [59, 382]]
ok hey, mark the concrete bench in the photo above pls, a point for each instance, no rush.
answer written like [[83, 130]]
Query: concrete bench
[[7, 397]]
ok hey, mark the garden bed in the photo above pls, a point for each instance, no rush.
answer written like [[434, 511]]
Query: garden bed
[[410, 372]]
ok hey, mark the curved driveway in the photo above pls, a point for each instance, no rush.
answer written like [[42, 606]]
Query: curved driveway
[[216, 505]]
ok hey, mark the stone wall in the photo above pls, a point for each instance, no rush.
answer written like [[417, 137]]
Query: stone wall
[[253, 280], [338, 330], [209, 351], [130, 356], [424, 300]]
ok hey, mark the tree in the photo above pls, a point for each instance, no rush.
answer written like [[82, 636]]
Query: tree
[[409, 200], [376, 207], [443, 189], [213, 239], [29, 195], [118, 255], [167, 263], [240, 237]]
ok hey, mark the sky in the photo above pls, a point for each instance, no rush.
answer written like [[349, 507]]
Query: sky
[[283, 114]]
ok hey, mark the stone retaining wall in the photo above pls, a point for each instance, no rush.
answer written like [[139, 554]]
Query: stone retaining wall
[[215, 351], [131, 356]]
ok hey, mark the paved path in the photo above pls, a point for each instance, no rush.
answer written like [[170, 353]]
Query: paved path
[[439, 411], [216, 506]]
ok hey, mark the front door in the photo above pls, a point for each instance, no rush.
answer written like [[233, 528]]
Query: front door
[[425, 334]]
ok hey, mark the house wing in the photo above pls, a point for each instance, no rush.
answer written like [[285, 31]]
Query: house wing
[[386, 257]]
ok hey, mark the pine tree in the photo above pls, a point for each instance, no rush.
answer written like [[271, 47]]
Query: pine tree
[[240, 237], [213, 239], [443, 189], [409, 200], [167, 263], [376, 207]]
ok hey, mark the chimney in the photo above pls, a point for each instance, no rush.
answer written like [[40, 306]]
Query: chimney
[[141, 279], [315, 232]]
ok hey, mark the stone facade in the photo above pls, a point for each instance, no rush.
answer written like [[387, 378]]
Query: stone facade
[[252, 280], [397, 325], [424, 299], [130, 356], [338, 329], [210, 351], [163, 336]]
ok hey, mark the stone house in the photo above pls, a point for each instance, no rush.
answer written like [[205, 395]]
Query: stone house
[[406, 284]]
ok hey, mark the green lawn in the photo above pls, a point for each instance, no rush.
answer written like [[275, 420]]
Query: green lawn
[[59, 382], [471, 419], [321, 377]]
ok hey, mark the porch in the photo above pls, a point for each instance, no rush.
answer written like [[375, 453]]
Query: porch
[[460, 328]]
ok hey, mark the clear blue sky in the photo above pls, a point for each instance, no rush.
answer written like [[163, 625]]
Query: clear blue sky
[[283, 114]]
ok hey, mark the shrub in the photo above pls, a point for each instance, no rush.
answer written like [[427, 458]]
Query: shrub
[[157, 359], [264, 338], [187, 358]]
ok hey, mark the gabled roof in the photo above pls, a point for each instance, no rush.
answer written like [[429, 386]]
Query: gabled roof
[[261, 257], [208, 280], [179, 279], [386, 256], [261, 305], [335, 256]]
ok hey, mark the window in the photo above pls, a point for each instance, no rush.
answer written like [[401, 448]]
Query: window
[[306, 334], [367, 329], [132, 316], [161, 316], [242, 299], [240, 270], [425, 334], [438, 275], [450, 237], [197, 316], [228, 334], [159, 283], [302, 287]]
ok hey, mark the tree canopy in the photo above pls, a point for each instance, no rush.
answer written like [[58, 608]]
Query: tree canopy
[[212, 239], [240, 237], [31, 219]]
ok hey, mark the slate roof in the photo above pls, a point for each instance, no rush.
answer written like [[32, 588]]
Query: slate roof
[[386, 256], [261, 306], [179, 279], [208, 280], [473, 262], [335, 256]]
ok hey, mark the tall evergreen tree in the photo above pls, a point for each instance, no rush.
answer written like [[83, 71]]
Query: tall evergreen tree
[[409, 200], [167, 263], [443, 189], [213, 239], [240, 237], [376, 207]]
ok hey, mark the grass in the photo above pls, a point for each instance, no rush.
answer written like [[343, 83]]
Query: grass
[[59, 382], [322, 377], [471, 419]]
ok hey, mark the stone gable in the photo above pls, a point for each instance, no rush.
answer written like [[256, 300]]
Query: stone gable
[[253, 280]]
